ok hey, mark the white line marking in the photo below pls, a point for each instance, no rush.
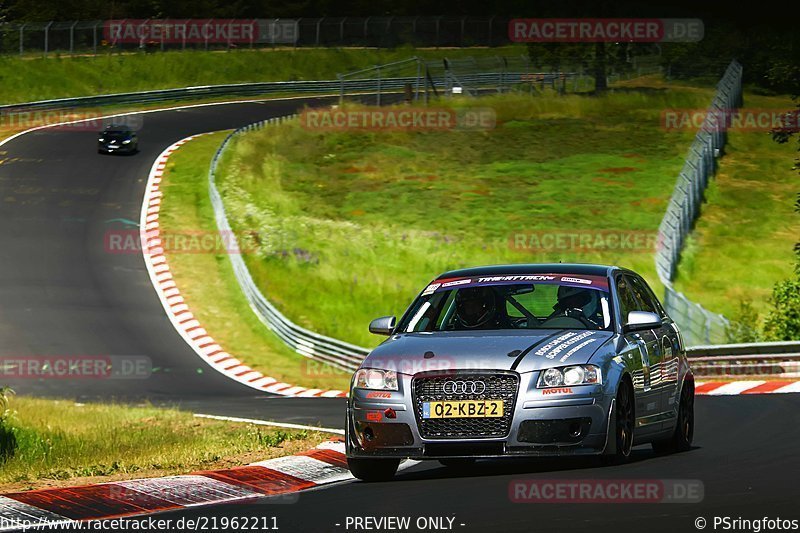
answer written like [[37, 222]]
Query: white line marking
[[792, 387], [270, 423], [307, 468], [735, 387]]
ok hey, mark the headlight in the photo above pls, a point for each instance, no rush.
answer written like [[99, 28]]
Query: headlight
[[372, 378], [570, 375], [100, 139], [126, 141]]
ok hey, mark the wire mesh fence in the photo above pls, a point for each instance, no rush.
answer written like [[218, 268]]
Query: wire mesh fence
[[698, 325], [417, 79], [91, 36]]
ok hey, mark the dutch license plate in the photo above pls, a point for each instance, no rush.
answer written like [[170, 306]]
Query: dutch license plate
[[463, 409]]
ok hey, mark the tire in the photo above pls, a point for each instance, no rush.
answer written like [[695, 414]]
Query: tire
[[457, 463], [681, 438], [624, 423], [368, 469]]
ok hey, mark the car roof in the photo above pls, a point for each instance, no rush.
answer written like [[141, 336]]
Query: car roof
[[117, 127], [534, 268]]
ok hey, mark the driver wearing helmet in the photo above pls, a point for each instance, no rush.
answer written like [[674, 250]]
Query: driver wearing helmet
[[479, 308], [578, 303]]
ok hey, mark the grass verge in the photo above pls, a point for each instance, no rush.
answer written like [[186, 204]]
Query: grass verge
[[61, 443], [207, 282], [30, 79], [365, 219], [742, 243]]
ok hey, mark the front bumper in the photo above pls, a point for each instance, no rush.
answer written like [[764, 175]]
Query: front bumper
[[571, 421], [123, 148]]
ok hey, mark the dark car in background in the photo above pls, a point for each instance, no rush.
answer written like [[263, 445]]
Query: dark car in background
[[117, 138], [522, 360]]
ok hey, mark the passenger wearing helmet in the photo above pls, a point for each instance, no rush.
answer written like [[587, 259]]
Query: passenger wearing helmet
[[479, 308], [580, 304]]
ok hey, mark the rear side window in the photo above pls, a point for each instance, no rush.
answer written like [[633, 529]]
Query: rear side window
[[641, 294], [627, 298], [646, 296]]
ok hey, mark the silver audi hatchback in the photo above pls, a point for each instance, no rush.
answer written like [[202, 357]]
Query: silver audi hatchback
[[521, 360]]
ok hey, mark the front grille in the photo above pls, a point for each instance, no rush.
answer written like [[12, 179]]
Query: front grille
[[499, 386]]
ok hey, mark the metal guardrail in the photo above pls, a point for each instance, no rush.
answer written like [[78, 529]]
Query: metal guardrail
[[765, 359], [186, 93], [751, 349], [327, 87], [697, 324]]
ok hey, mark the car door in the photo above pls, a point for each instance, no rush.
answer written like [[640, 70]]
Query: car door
[[667, 367], [641, 345]]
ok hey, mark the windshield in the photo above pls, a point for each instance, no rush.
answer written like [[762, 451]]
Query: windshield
[[536, 301], [115, 134]]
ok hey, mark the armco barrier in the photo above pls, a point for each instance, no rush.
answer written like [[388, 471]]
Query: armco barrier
[[327, 87]]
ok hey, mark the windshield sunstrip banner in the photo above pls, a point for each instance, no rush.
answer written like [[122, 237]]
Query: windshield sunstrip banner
[[589, 282]]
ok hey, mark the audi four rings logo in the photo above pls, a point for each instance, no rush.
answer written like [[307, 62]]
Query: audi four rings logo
[[464, 387]]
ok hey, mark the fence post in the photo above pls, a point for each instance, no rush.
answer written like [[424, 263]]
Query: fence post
[[416, 82], [72, 38], [94, 38], [21, 39], [46, 36], [379, 84]]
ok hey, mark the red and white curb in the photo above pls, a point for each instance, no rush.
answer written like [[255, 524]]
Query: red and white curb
[[178, 311], [729, 388], [281, 477]]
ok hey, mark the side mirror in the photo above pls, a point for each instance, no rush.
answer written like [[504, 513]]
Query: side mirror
[[383, 325], [642, 320]]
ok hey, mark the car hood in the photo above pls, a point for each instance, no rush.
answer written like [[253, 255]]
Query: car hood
[[410, 353]]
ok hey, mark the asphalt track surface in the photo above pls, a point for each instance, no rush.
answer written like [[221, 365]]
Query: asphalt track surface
[[745, 455], [62, 294]]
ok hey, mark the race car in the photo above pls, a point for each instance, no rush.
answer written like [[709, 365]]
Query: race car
[[521, 360], [117, 138]]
